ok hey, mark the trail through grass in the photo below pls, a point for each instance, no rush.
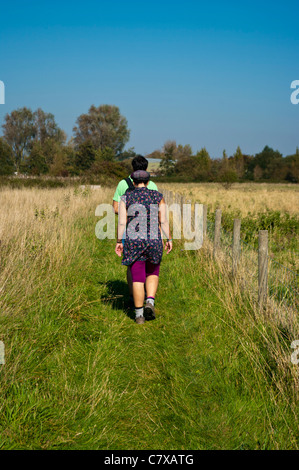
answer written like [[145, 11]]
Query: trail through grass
[[80, 374]]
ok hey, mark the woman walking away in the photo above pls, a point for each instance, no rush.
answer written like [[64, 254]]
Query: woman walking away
[[142, 215]]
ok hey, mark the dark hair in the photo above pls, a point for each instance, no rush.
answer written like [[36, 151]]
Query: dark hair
[[143, 180], [139, 163]]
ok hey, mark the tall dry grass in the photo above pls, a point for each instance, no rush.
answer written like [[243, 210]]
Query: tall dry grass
[[211, 372], [37, 236], [246, 197], [265, 335]]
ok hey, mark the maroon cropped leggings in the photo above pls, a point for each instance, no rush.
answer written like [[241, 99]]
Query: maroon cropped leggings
[[140, 270]]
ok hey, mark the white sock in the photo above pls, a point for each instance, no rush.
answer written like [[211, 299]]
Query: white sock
[[150, 300], [139, 312]]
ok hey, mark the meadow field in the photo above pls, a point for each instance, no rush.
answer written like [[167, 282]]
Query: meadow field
[[243, 197], [260, 206], [211, 372]]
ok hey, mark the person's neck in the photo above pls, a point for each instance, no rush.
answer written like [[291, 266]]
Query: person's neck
[[141, 185]]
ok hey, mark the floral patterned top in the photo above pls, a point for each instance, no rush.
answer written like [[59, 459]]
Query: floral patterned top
[[143, 240]]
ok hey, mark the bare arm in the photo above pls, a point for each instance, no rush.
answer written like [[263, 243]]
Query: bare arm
[[115, 206], [164, 224], [122, 220]]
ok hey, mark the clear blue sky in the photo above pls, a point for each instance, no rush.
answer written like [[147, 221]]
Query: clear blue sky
[[214, 74]]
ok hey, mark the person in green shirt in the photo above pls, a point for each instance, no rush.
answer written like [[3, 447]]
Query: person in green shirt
[[138, 163]]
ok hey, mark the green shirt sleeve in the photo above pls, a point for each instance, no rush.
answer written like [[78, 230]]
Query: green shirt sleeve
[[120, 190], [123, 186], [152, 185]]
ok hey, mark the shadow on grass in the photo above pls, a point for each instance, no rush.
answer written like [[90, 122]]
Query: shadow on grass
[[118, 297]]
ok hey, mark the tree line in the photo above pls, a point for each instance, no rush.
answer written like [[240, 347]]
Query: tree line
[[178, 163], [33, 144]]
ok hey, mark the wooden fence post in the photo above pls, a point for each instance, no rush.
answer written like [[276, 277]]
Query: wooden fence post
[[236, 246], [182, 203], [2, 353], [205, 221], [170, 197], [217, 231], [165, 194], [263, 267], [187, 201]]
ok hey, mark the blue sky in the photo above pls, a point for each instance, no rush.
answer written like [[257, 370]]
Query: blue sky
[[214, 74]]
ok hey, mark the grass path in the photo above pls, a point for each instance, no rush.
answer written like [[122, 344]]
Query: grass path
[[83, 375]]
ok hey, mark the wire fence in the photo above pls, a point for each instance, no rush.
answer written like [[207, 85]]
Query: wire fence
[[258, 271], [283, 283]]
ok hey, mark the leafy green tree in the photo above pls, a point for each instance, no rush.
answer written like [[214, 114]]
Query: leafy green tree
[[268, 160], [19, 132], [248, 167], [215, 170], [71, 156], [228, 177], [238, 161], [36, 161], [204, 159], [227, 174], [167, 162], [257, 173], [59, 164], [6, 158], [47, 128], [291, 163], [188, 169], [85, 156], [103, 126], [62, 163], [23, 127], [105, 155], [183, 151], [108, 171]]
